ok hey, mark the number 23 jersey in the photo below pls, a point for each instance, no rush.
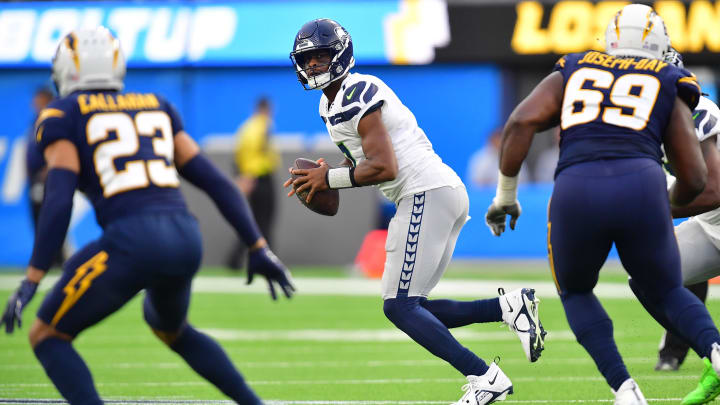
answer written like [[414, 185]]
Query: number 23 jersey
[[618, 107], [419, 167], [125, 144]]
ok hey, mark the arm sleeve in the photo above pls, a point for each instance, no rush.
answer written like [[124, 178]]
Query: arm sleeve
[[202, 173], [54, 217]]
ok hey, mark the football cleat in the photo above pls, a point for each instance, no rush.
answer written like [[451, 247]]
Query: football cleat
[[629, 394], [520, 313], [709, 385], [667, 363], [490, 387]]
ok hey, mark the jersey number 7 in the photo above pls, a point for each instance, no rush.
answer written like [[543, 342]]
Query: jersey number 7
[[632, 98]]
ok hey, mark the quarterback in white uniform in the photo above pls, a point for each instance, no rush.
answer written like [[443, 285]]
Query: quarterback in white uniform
[[384, 146]]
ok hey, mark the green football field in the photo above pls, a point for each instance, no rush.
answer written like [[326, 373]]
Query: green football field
[[323, 347]]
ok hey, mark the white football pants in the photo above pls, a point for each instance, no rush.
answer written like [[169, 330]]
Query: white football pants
[[421, 239], [700, 259]]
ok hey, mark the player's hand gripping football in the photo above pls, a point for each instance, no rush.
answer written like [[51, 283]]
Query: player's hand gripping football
[[264, 262], [496, 217], [312, 180], [16, 303]]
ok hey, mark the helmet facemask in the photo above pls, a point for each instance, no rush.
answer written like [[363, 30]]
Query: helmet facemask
[[340, 61]]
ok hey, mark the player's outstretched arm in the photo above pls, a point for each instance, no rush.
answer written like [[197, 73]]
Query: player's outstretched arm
[[63, 168], [202, 173], [709, 199], [683, 152], [538, 111]]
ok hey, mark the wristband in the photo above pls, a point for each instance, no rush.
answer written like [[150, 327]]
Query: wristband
[[506, 193], [341, 177]]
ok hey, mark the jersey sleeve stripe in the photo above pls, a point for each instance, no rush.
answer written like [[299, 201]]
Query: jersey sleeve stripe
[[38, 135], [49, 113], [690, 80]]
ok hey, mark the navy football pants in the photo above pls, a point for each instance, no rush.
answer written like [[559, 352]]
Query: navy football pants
[[159, 252], [623, 201]]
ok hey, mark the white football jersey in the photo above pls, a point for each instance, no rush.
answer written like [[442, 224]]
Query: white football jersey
[[707, 124], [419, 167]]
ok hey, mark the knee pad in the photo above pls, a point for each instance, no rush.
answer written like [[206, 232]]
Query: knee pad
[[150, 315], [396, 309], [159, 323]]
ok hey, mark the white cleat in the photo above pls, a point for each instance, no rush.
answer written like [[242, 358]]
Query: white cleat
[[629, 394], [520, 313], [492, 386]]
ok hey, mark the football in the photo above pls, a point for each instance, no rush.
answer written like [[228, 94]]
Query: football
[[324, 202]]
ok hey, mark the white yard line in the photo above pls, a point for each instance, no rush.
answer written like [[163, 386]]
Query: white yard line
[[361, 335], [283, 402], [367, 287], [358, 381], [330, 364]]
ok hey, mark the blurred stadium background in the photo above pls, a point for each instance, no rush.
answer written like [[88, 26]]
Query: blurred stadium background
[[459, 65]]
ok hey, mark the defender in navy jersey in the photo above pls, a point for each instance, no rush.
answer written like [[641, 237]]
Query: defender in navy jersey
[[615, 110], [122, 150]]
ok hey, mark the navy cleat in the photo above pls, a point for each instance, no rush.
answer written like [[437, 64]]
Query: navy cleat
[[520, 313], [490, 387]]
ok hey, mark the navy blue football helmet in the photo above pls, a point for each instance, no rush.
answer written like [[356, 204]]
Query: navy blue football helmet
[[322, 35]]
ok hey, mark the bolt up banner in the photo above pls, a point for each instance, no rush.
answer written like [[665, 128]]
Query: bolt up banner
[[539, 32], [200, 33]]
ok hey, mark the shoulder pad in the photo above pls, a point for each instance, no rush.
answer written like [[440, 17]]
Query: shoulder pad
[[688, 88], [706, 116], [352, 93], [55, 121]]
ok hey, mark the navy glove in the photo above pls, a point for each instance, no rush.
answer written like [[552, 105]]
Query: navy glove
[[264, 262], [16, 303]]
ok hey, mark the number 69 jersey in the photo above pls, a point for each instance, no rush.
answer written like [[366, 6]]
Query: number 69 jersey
[[125, 146], [419, 167], [618, 107]]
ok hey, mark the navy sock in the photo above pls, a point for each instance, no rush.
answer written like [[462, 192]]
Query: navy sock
[[67, 371], [457, 313], [209, 360], [593, 329], [658, 313], [424, 328]]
